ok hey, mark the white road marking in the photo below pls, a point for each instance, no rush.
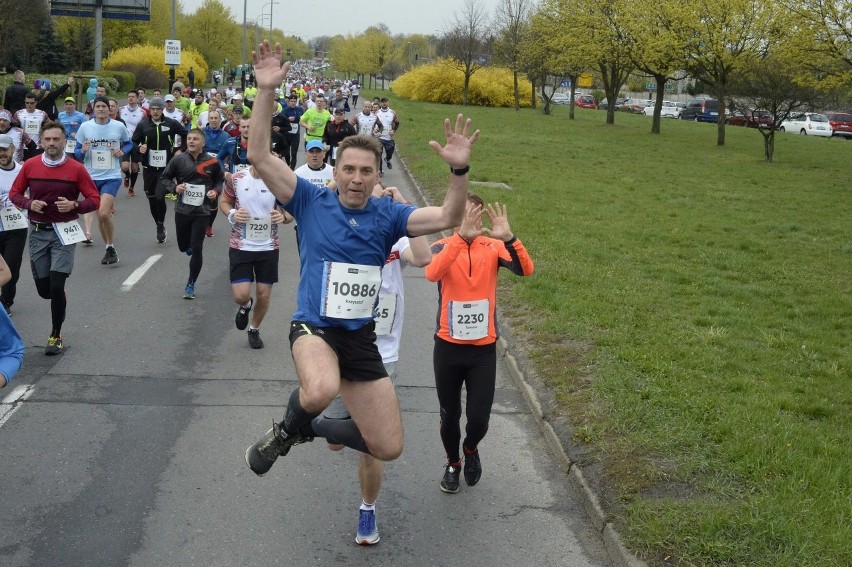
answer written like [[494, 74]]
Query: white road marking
[[139, 272], [14, 401]]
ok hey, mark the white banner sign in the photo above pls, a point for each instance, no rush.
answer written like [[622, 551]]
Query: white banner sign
[[172, 52]]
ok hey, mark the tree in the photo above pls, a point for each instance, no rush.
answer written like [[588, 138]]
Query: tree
[[653, 48], [19, 31], [720, 39], [512, 21], [465, 39], [49, 52], [771, 84], [823, 37], [211, 30], [599, 28]]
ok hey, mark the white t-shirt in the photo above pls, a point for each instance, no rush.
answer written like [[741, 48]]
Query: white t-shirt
[[131, 117], [6, 180], [252, 194], [392, 287], [321, 178]]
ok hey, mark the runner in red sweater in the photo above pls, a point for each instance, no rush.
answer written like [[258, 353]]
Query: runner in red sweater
[[54, 184]]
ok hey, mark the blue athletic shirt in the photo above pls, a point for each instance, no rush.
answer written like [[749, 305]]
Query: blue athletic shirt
[[328, 231]]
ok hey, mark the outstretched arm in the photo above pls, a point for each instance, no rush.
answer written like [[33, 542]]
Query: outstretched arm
[[268, 74], [456, 153]]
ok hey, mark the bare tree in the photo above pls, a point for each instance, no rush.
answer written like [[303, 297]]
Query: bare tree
[[771, 85], [465, 40], [512, 20]]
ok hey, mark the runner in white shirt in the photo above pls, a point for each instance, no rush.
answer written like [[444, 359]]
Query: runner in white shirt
[[13, 222], [319, 173], [132, 113], [31, 118], [253, 246]]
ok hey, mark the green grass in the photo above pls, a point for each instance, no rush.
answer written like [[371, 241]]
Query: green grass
[[691, 314]]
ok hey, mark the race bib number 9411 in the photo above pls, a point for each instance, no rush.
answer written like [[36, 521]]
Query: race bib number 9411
[[350, 290]]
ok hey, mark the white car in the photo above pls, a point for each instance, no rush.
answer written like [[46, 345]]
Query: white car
[[807, 124], [560, 98], [669, 110]]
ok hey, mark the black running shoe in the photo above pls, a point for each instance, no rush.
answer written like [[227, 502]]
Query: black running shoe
[[472, 468], [111, 256], [242, 318], [276, 443], [450, 482], [254, 338], [162, 235], [388, 163]]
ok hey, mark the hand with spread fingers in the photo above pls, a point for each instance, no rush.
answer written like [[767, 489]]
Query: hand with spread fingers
[[269, 73], [471, 225], [499, 222], [456, 152]]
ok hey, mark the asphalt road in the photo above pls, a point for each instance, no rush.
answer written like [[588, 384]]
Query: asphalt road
[[127, 449]]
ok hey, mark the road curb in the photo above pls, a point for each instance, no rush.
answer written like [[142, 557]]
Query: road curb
[[618, 553]]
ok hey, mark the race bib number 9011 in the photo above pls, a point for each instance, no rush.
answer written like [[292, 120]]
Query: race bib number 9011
[[350, 290]]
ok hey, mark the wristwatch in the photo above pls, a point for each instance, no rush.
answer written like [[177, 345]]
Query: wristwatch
[[460, 171]]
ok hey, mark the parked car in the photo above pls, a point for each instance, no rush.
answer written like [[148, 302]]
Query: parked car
[[669, 110], [807, 124], [750, 118], [635, 105], [560, 98], [841, 124], [701, 110], [603, 104], [586, 101]]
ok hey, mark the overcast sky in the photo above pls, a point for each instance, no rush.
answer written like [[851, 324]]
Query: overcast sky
[[350, 16]]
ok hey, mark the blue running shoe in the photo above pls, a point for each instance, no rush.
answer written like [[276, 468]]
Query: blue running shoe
[[189, 251], [368, 532], [189, 290]]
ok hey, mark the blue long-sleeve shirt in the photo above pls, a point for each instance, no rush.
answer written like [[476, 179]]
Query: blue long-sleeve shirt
[[11, 348]]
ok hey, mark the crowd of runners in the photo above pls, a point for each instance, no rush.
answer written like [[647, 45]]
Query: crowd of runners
[[237, 151]]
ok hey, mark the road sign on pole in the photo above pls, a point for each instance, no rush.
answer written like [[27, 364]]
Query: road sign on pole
[[172, 52]]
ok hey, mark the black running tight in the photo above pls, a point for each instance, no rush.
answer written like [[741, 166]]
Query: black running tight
[[475, 367], [53, 288], [189, 232]]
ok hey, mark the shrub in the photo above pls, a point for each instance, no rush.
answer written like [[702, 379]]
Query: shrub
[[146, 63], [442, 83]]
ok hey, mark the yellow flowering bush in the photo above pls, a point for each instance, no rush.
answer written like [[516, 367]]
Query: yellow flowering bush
[[153, 57], [442, 83]]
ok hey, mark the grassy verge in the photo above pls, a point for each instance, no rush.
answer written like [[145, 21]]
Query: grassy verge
[[690, 316]]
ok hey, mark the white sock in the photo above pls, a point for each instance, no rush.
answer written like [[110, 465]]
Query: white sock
[[248, 303], [365, 506]]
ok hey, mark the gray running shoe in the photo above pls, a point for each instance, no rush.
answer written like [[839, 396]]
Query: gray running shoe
[[276, 443]]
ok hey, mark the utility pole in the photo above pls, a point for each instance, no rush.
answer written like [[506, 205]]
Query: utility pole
[[172, 36]]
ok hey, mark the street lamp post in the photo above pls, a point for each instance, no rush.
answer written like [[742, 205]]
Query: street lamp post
[[243, 65], [271, 3]]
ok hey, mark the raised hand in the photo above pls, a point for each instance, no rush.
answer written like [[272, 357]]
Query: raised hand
[[499, 222], [471, 225], [268, 71], [456, 152]]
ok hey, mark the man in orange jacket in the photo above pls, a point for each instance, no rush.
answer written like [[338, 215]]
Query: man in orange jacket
[[465, 267]]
